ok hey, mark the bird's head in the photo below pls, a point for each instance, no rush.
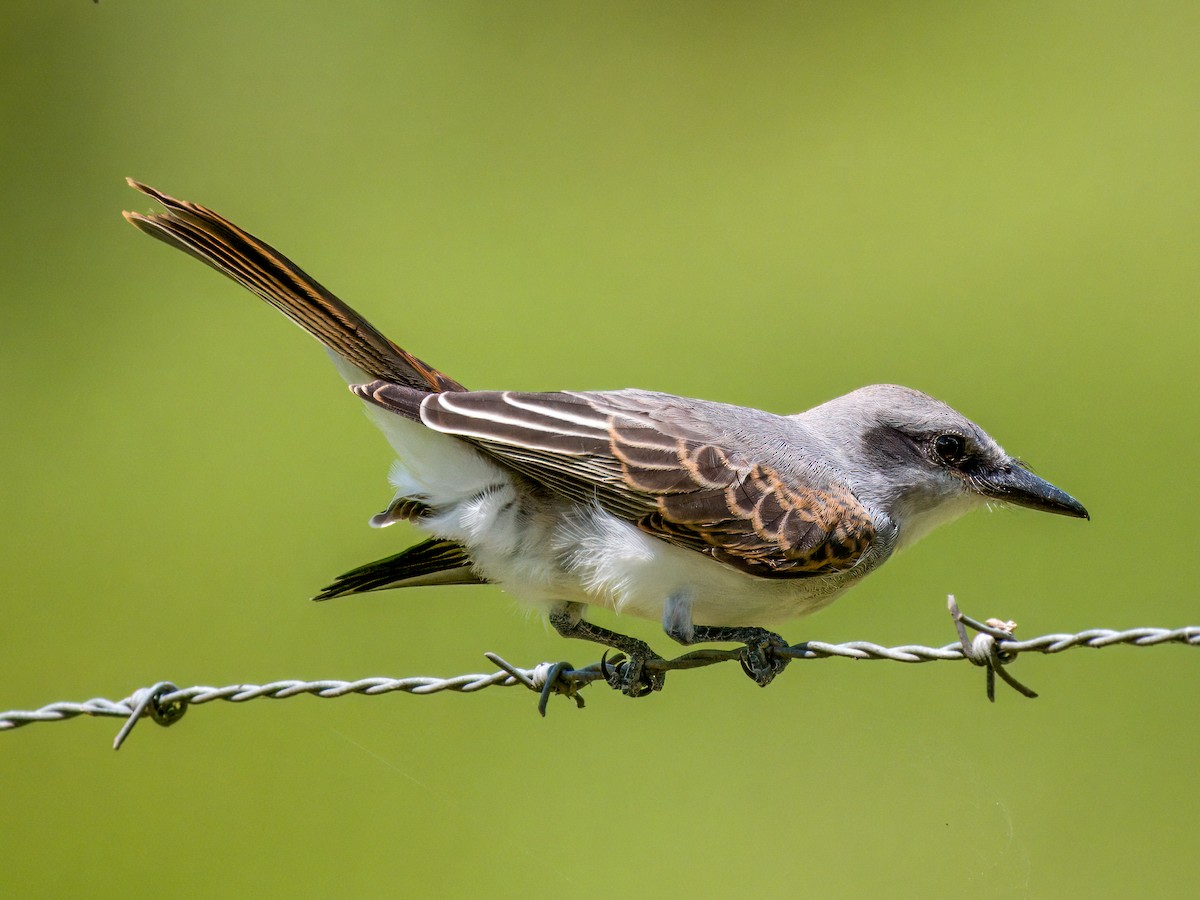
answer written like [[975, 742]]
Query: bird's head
[[924, 464]]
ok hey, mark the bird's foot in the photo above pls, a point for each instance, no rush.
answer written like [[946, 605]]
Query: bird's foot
[[761, 660], [763, 657], [629, 675]]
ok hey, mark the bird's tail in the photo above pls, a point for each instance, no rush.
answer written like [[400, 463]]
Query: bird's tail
[[435, 561], [262, 269]]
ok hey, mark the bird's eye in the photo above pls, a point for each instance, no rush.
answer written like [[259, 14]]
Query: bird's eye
[[950, 448]]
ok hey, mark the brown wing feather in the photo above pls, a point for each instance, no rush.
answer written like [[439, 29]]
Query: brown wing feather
[[742, 513], [693, 492]]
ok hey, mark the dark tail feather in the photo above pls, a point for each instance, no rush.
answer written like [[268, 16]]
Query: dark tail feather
[[272, 276], [435, 561]]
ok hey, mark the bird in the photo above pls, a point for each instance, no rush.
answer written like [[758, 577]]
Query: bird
[[717, 520]]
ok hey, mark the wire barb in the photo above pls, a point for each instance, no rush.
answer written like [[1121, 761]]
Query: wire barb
[[994, 647], [986, 649], [149, 700]]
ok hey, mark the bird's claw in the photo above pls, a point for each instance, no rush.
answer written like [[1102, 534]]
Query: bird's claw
[[629, 675], [760, 660]]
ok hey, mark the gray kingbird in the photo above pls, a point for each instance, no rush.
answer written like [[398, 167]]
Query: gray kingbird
[[716, 520]]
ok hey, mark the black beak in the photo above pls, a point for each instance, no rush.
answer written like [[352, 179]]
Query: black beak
[[1017, 485]]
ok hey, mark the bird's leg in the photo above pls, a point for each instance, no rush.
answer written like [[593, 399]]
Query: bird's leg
[[759, 659], [629, 677]]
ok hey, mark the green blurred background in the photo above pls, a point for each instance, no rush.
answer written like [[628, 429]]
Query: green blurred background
[[766, 204]]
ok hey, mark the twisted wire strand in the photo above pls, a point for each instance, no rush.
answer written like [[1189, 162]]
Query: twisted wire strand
[[992, 647]]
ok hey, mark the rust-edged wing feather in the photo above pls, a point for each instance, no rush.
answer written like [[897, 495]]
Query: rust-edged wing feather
[[642, 458], [260, 268]]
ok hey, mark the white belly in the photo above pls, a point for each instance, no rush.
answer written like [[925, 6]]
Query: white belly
[[548, 550]]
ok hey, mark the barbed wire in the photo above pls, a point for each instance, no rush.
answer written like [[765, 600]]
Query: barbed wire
[[993, 647]]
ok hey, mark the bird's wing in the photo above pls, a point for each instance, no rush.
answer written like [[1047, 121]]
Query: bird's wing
[[644, 461]]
